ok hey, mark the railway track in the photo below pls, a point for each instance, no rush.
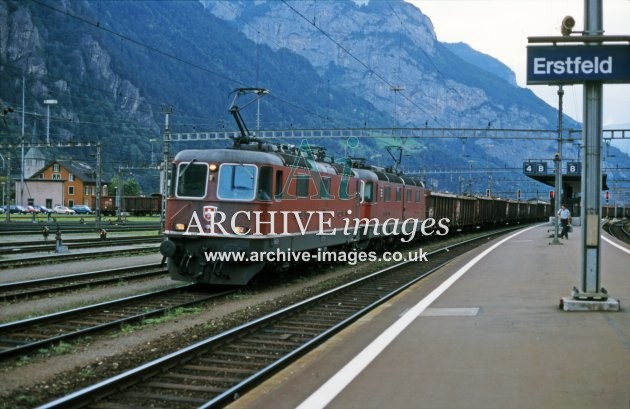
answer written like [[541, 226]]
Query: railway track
[[619, 229], [26, 228], [213, 372], [55, 258], [23, 336], [49, 245], [24, 289]]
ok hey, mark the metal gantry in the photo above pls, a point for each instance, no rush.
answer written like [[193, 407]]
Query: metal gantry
[[404, 133]]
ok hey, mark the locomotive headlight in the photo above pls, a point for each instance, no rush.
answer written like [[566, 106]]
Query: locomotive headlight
[[241, 230], [213, 167], [179, 227]]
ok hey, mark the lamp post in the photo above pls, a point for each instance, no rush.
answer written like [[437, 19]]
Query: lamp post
[[152, 140], [558, 168], [48, 103]]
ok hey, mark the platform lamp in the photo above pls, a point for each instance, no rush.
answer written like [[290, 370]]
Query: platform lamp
[[48, 103]]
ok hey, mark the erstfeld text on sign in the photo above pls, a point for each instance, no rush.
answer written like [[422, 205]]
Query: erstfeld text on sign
[[578, 63]]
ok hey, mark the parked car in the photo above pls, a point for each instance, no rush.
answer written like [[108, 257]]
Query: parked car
[[2, 210], [17, 209], [82, 209], [31, 209], [43, 209], [59, 209]]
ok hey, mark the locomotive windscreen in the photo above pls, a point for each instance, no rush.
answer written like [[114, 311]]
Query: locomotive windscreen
[[192, 179], [237, 182]]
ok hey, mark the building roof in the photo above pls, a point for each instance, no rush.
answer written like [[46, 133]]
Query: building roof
[[34, 153], [550, 180], [80, 170]]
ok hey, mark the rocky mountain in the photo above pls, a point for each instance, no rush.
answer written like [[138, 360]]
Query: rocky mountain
[[113, 65], [483, 61], [374, 46]]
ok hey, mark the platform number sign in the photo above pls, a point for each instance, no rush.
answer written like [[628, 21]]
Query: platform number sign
[[534, 168], [574, 168]]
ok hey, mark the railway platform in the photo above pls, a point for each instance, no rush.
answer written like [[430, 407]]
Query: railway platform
[[485, 331]]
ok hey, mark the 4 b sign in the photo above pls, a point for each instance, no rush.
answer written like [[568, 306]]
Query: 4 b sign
[[530, 168]]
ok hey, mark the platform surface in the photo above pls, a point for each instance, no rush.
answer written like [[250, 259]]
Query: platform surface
[[496, 338]]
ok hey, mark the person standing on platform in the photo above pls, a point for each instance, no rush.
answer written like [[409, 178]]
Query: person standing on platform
[[565, 219]]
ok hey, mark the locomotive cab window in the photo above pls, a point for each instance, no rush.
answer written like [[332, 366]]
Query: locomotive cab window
[[367, 192], [279, 185], [192, 179], [265, 183], [237, 182]]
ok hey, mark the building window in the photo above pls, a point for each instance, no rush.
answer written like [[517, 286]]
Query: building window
[[70, 203], [71, 177], [71, 190], [31, 202], [56, 167], [86, 190], [56, 176]]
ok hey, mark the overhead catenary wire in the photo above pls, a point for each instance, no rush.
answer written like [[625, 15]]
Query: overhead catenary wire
[[355, 58]]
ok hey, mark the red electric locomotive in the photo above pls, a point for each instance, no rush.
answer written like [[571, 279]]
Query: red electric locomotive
[[232, 212]]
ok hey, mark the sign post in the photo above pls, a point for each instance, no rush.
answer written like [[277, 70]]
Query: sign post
[[592, 63]]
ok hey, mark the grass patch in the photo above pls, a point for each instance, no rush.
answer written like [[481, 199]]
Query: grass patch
[[61, 348], [172, 315]]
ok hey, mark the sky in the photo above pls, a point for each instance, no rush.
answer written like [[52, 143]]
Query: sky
[[500, 28]]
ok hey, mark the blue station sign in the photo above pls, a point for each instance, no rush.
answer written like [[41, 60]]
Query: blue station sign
[[571, 64]]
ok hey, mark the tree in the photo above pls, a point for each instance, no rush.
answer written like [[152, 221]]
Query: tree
[[131, 187]]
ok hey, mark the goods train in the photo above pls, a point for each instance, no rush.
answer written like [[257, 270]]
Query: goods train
[[233, 212], [133, 205]]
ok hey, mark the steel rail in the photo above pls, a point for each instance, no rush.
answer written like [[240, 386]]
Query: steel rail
[[21, 228], [159, 366], [37, 260], [22, 289], [618, 230], [25, 332], [26, 247]]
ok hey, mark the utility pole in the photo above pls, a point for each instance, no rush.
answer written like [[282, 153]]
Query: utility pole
[[396, 89], [99, 176], [591, 296], [167, 111], [22, 146], [48, 103], [558, 169], [8, 212], [592, 172]]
